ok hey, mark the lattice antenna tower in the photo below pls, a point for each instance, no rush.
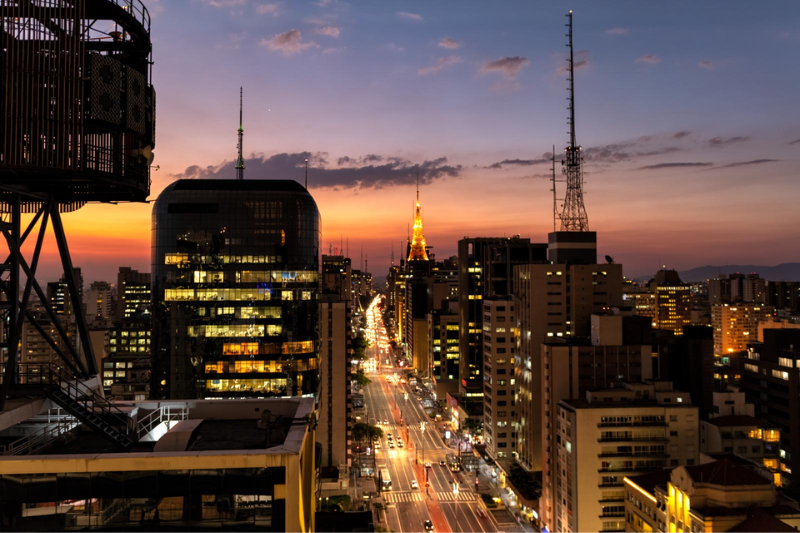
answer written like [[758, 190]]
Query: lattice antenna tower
[[573, 214], [240, 160]]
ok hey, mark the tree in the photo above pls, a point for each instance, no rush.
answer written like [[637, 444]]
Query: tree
[[473, 426], [365, 433], [361, 379], [360, 345]]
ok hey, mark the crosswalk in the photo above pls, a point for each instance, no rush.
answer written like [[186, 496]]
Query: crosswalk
[[462, 496], [399, 497], [415, 496]]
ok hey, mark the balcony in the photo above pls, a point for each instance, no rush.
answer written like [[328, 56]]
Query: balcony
[[633, 423], [638, 468], [631, 438], [633, 454]]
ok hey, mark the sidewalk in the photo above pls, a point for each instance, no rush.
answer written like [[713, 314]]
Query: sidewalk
[[488, 485]]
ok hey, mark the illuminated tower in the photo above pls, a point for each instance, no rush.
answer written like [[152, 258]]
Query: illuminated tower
[[240, 161], [418, 251], [573, 215]]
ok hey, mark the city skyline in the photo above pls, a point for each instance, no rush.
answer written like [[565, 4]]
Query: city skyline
[[681, 113]]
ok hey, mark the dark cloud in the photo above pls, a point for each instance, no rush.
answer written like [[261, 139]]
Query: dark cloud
[[747, 163], [681, 134], [795, 142], [718, 142], [580, 60], [650, 59], [617, 31], [393, 170], [546, 157], [508, 66], [675, 165]]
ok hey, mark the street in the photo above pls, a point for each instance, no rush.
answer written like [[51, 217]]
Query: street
[[388, 400]]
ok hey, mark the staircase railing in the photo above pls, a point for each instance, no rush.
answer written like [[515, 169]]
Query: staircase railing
[[59, 381]]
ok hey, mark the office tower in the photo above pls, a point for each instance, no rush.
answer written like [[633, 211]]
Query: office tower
[[99, 302], [620, 351], [334, 388], [34, 349], [395, 301], [443, 340], [736, 325], [485, 270], [719, 290], [769, 376], [133, 292], [673, 301], [642, 301], [57, 294], [235, 286], [551, 302], [499, 410], [337, 276], [126, 370], [729, 494], [783, 295], [613, 434], [688, 362]]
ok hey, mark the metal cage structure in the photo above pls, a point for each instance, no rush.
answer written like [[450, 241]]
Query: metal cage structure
[[77, 125]]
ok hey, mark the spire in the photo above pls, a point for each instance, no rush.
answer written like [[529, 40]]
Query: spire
[[240, 160], [573, 215], [306, 173], [418, 251]]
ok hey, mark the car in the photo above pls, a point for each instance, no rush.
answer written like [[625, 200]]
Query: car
[[391, 444], [414, 484], [428, 525], [399, 444], [385, 422], [442, 463], [389, 436], [427, 465]]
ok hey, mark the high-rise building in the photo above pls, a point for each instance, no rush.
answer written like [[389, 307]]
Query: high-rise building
[[551, 302], [620, 351], [783, 295], [673, 301], [235, 287], [769, 376], [613, 434], [57, 294], [133, 292], [99, 302], [335, 402], [745, 436], [443, 340], [485, 270], [499, 410], [337, 276], [735, 325]]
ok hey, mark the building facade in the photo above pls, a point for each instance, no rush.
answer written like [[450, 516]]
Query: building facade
[[235, 289], [499, 409], [613, 434]]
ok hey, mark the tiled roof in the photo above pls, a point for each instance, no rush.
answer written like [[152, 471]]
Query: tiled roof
[[738, 421], [759, 520], [726, 473]]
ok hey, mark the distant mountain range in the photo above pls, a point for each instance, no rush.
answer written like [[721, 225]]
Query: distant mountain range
[[782, 272]]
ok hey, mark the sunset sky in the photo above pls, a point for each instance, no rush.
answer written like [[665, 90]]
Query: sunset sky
[[687, 111]]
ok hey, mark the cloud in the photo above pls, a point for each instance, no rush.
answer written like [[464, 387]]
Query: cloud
[[288, 43], [650, 59], [617, 31], [395, 47], [546, 157], [681, 134], [441, 63], [449, 43], [747, 163], [268, 9], [675, 165], [580, 60], [334, 50], [795, 142], [405, 15], [361, 175], [708, 65], [507, 66], [330, 31], [718, 142], [322, 3]]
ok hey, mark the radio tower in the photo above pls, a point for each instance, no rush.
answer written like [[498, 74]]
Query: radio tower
[[240, 161], [573, 215]]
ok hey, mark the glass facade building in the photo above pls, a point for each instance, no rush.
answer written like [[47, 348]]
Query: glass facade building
[[235, 266]]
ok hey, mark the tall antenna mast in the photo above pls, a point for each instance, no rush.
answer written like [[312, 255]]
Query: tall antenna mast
[[306, 173], [555, 200], [240, 161], [573, 216]]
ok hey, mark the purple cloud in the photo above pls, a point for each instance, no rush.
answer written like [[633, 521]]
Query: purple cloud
[[405, 15], [507, 66], [288, 43], [441, 63], [718, 142], [650, 59], [449, 43]]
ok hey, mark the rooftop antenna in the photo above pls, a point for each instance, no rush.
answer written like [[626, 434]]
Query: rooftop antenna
[[306, 173], [240, 161], [555, 200], [392, 247], [573, 216]]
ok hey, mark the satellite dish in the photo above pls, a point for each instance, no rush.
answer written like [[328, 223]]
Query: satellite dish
[[609, 259]]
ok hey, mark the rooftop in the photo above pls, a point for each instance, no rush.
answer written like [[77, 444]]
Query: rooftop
[[727, 473], [759, 520], [238, 185], [649, 482]]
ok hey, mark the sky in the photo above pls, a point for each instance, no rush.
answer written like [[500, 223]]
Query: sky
[[687, 113]]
